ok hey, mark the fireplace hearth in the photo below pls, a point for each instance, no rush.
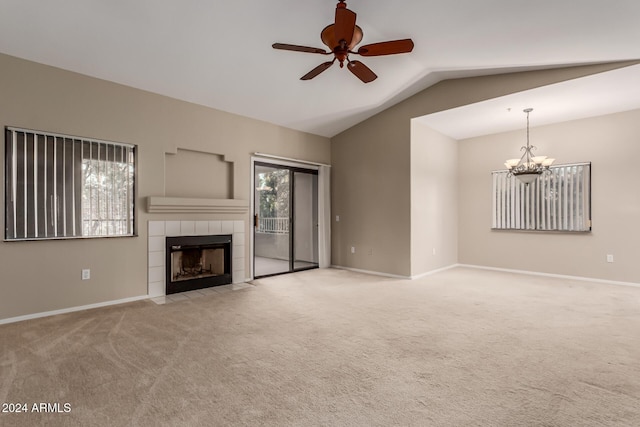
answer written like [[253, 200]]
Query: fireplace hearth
[[197, 262]]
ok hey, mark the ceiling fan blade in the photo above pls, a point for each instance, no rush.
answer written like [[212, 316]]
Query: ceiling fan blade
[[361, 71], [386, 48], [345, 24], [320, 68], [297, 48]]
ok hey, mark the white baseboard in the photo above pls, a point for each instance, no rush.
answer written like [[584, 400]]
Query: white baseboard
[[482, 267], [71, 309], [373, 273], [395, 276], [437, 270], [557, 276]]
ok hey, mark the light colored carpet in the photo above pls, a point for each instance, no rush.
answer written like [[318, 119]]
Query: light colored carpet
[[328, 347]]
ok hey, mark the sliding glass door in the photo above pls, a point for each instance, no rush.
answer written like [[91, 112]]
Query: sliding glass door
[[285, 219], [305, 220], [272, 217]]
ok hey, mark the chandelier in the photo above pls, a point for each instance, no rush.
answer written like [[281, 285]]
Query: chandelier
[[528, 167]]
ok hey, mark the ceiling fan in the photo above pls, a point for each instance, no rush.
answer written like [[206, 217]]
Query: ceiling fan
[[341, 37]]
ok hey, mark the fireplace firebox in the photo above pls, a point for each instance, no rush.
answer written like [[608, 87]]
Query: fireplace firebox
[[197, 262]]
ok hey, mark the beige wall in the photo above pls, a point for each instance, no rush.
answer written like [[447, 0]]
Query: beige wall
[[371, 194], [611, 143], [45, 275], [372, 177], [371, 173], [434, 199]]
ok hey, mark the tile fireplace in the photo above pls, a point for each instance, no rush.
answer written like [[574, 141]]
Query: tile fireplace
[[194, 263]]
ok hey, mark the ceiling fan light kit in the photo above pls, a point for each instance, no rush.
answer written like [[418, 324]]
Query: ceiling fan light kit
[[341, 37]]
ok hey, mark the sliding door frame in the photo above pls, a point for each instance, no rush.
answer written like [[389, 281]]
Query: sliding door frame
[[292, 167]]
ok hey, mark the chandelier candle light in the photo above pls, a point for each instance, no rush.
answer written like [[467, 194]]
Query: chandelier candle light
[[528, 167]]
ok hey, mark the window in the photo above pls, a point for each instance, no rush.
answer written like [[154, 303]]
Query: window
[[60, 186], [557, 201]]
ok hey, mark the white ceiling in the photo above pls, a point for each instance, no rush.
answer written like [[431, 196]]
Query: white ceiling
[[218, 53], [595, 95]]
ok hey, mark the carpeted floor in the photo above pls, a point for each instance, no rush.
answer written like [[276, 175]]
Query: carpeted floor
[[462, 347]]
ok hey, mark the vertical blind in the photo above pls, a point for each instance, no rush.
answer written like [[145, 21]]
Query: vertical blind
[[557, 201], [59, 186]]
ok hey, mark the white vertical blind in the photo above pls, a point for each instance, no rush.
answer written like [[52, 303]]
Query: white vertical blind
[[60, 186], [556, 201]]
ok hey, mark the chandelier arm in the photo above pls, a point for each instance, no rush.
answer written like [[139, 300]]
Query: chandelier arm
[[523, 155], [525, 164]]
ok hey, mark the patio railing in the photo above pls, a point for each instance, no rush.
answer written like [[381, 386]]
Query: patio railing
[[273, 225]]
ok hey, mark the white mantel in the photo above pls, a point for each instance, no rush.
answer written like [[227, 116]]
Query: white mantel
[[160, 204], [158, 232]]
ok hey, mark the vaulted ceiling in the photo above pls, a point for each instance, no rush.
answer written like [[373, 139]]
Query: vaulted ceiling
[[218, 53]]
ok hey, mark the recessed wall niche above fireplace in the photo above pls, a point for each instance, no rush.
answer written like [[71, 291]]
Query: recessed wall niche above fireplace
[[197, 262]]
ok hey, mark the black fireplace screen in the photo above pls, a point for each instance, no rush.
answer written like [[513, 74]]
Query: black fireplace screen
[[196, 262]]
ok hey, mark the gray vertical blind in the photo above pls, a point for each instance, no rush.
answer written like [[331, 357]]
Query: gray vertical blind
[[557, 201], [59, 186]]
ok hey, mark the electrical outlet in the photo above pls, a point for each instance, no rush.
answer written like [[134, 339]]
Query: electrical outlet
[[370, 251], [434, 251], [86, 274], [353, 249], [337, 218], [609, 258]]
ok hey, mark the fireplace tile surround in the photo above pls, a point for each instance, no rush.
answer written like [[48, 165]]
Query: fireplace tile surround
[[159, 230]]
